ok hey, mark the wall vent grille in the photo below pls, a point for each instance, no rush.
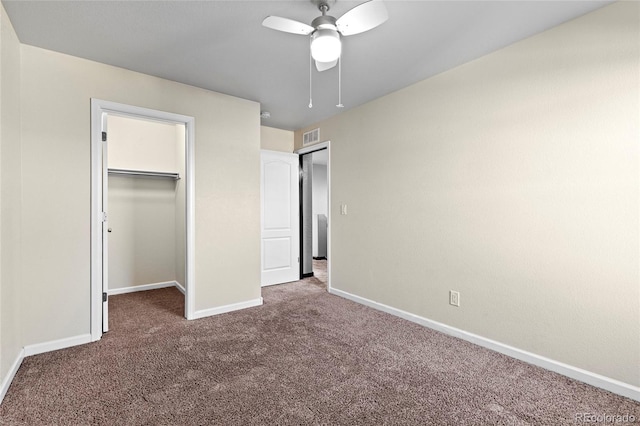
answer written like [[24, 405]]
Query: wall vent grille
[[312, 136]]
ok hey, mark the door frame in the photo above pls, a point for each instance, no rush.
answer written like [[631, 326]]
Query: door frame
[[307, 150], [99, 108]]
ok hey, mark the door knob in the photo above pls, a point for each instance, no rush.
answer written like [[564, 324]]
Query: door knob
[[109, 230]]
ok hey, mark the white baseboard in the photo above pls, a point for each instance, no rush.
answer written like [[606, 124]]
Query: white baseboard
[[227, 308], [55, 345], [180, 287], [6, 381], [597, 380], [142, 287], [68, 342]]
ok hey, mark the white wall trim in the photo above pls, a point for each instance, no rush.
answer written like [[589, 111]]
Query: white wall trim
[[6, 381], [180, 287], [36, 349], [227, 308], [311, 148], [269, 285], [96, 231], [55, 345], [143, 287], [597, 380], [190, 219]]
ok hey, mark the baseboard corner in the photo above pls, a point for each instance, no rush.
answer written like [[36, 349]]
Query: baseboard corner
[[180, 287], [6, 380]]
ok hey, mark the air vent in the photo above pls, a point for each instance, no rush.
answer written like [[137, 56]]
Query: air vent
[[311, 136]]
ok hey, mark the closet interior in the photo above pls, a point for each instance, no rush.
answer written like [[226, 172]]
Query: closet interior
[[146, 205], [314, 209]]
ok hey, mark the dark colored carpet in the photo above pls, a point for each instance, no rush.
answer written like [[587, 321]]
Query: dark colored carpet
[[305, 357], [320, 270]]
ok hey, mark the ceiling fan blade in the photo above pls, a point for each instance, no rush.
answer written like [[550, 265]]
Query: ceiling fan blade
[[287, 25], [362, 18], [323, 66]]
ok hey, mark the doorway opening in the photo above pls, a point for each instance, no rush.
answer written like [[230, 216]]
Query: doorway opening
[[315, 212], [142, 205]]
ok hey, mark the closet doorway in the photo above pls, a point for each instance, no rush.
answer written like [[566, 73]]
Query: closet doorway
[[315, 212], [142, 205]]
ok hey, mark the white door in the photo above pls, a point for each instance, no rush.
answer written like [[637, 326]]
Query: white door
[[105, 229], [280, 220]]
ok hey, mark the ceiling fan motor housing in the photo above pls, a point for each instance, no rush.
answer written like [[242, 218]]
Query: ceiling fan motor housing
[[324, 22]]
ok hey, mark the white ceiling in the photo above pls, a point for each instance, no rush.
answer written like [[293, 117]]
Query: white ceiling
[[222, 46]]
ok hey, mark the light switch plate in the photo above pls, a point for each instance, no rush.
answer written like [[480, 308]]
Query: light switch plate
[[454, 298]]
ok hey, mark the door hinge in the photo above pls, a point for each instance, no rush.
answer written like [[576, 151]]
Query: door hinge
[[104, 136], [103, 216], [104, 297]]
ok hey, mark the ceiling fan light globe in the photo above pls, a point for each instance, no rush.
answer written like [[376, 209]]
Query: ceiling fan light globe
[[326, 45]]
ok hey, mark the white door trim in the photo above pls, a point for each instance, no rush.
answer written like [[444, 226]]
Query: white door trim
[[307, 150], [105, 240], [98, 109]]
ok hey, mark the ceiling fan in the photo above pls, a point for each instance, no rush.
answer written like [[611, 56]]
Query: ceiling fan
[[325, 30]]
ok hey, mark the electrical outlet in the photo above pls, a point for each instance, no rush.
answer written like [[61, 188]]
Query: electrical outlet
[[454, 298], [343, 209]]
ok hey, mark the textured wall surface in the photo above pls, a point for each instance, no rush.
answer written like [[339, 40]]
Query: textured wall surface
[[56, 94], [10, 196], [512, 179]]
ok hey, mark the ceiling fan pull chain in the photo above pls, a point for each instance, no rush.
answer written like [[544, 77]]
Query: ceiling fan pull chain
[[340, 83], [310, 74]]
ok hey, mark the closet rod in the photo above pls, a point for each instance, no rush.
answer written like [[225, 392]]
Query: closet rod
[[143, 173]]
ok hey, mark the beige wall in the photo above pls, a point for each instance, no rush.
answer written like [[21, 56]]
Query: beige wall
[[142, 211], [276, 139], [142, 244], [141, 144], [56, 93], [10, 202], [513, 179]]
